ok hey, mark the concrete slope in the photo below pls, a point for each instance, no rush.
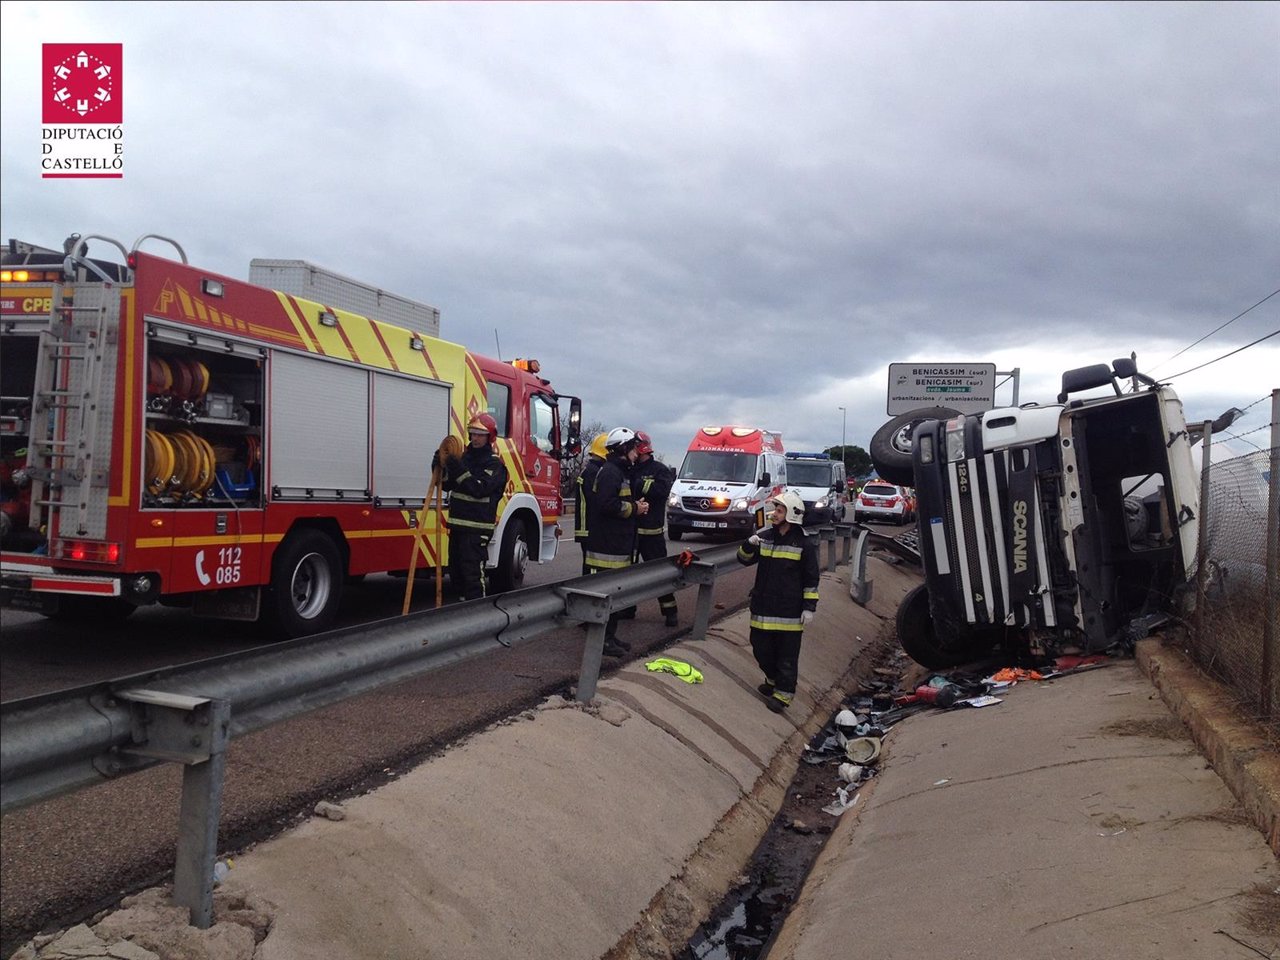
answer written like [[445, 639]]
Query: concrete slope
[[569, 832]]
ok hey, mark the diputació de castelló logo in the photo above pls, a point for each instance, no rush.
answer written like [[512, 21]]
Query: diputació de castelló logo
[[82, 135]]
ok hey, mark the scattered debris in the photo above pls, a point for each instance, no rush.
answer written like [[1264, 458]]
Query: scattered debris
[[330, 811]]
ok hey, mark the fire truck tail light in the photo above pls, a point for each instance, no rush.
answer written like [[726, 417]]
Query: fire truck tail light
[[92, 551]]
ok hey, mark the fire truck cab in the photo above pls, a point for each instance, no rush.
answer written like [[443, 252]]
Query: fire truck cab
[[170, 434]]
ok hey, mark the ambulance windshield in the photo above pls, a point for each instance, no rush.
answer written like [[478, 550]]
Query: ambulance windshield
[[723, 467]]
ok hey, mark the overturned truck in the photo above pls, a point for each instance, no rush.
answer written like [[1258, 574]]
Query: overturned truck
[[1073, 523]]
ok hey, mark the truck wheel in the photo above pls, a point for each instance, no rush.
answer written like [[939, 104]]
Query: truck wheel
[[306, 583], [513, 558], [674, 533], [921, 643], [891, 444]]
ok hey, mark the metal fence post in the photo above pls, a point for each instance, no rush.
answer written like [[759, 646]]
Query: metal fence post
[[593, 610], [704, 575], [1271, 597], [1202, 545], [859, 585], [193, 731], [828, 536]]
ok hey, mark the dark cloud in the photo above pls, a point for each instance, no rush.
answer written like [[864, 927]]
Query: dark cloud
[[714, 212]]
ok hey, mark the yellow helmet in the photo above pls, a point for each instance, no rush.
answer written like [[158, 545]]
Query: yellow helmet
[[598, 446]]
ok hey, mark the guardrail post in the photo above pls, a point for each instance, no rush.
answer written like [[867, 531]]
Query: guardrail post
[[846, 541], [704, 575], [593, 610], [192, 731], [828, 536], [859, 585]]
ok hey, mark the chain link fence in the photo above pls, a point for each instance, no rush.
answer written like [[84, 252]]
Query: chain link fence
[[1237, 603]]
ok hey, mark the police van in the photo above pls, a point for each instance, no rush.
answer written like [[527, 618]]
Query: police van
[[821, 483]]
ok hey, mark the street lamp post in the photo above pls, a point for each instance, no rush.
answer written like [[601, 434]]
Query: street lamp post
[[844, 419]]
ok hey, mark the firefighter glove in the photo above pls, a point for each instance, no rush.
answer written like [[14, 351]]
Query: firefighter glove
[[754, 539], [806, 617]]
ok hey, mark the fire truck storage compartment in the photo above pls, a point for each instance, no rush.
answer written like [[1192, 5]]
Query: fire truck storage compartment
[[1126, 547], [17, 384], [204, 422], [320, 431]]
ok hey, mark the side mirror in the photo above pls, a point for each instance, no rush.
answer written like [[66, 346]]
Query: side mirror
[[1124, 367], [1084, 378]]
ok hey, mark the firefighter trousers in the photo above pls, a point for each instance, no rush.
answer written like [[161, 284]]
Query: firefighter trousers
[[778, 654], [652, 547], [468, 550]]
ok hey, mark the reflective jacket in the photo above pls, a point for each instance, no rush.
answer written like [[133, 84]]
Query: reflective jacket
[[611, 539], [581, 509], [652, 480], [786, 577], [475, 483]]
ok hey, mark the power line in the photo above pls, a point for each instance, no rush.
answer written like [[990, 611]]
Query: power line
[[1216, 329], [1225, 355]]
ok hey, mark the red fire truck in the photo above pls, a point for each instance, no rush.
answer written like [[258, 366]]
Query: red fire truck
[[171, 435]]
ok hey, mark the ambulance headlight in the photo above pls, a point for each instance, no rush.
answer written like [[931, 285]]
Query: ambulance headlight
[[673, 501], [740, 504]]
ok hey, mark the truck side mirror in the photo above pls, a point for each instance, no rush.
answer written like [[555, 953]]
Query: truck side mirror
[[1084, 378]]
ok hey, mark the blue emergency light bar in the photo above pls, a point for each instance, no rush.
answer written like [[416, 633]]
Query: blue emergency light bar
[[808, 456]]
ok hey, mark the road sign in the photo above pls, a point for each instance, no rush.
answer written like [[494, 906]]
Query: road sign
[[965, 387]]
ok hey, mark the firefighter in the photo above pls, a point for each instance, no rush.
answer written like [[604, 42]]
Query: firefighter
[[784, 597], [595, 460], [613, 512], [475, 483], [651, 479]]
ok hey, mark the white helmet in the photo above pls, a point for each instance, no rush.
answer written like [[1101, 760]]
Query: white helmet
[[795, 506], [619, 438], [847, 718]]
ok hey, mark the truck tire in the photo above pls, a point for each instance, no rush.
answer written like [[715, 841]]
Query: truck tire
[[513, 557], [306, 584], [891, 444], [921, 643]]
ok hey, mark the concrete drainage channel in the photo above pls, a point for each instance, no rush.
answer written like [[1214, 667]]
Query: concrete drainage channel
[[743, 925]]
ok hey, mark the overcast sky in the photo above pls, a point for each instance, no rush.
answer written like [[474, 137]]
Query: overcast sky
[[701, 213]]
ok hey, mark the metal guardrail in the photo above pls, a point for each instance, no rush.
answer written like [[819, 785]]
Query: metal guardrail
[[64, 741]]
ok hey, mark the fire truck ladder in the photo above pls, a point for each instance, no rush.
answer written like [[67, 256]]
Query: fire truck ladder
[[64, 414]]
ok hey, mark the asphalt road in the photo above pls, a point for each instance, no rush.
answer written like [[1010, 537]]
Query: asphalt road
[[63, 859], [38, 655]]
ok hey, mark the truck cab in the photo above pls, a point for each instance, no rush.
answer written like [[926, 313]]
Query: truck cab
[[1071, 523]]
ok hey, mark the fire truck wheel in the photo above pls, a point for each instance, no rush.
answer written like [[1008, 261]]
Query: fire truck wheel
[[100, 610], [306, 583], [921, 643], [891, 444], [513, 558]]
